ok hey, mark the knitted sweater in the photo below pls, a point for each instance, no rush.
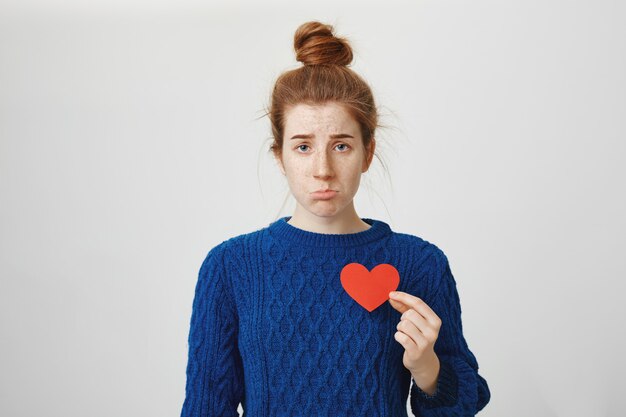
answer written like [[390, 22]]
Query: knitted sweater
[[273, 327]]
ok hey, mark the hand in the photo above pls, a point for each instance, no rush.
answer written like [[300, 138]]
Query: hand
[[418, 331]]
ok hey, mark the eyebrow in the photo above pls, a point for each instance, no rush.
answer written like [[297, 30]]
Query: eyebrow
[[335, 136]]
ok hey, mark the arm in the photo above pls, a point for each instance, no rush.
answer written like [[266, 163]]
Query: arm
[[215, 385], [460, 390]]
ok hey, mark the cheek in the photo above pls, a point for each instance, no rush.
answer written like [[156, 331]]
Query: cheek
[[356, 180], [351, 171], [297, 170], [295, 174]]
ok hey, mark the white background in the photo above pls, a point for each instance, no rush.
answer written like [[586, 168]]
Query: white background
[[132, 140]]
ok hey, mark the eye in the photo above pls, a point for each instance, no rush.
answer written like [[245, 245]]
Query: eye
[[343, 144], [300, 146]]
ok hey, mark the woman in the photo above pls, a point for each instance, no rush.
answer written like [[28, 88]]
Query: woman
[[293, 319]]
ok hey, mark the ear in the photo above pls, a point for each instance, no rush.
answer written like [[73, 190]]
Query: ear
[[370, 155], [279, 162]]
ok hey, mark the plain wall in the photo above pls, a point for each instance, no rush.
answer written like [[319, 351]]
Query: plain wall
[[132, 140]]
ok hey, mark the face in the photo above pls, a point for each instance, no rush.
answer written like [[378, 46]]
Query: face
[[322, 150]]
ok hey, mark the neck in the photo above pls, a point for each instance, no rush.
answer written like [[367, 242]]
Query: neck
[[348, 221], [289, 234]]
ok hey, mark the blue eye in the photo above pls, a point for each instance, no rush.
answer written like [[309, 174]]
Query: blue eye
[[299, 147]]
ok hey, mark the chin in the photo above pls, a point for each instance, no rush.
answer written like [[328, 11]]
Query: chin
[[324, 209]]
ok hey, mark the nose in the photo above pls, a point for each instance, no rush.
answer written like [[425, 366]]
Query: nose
[[322, 165]]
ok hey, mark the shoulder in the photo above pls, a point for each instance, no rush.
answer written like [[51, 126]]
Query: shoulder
[[427, 263], [243, 242], [423, 252], [231, 252]]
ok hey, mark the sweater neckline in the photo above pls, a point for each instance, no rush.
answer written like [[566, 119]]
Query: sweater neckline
[[283, 230]]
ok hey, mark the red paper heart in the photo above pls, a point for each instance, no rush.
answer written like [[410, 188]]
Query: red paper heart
[[369, 289]]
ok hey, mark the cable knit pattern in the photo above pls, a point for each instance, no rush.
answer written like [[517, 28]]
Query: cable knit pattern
[[273, 328]]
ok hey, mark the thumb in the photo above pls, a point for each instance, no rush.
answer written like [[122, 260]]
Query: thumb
[[398, 305]]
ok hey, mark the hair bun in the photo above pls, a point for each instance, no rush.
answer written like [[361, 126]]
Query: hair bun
[[315, 44]]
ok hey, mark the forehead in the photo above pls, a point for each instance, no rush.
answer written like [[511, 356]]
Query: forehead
[[328, 117]]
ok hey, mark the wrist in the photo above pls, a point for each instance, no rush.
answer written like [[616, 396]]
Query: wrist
[[426, 378]]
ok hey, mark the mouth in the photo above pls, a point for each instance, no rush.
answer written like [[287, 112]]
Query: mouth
[[325, 194]]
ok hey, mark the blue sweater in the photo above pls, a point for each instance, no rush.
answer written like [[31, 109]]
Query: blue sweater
[[273, 327]]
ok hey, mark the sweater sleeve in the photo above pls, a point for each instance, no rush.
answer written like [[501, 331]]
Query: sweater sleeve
[[460, 390], [215, 384]]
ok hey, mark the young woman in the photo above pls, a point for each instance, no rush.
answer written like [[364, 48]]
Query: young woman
[[325, 313]]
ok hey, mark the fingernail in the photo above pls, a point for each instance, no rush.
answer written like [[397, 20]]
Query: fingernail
[[392, 294]]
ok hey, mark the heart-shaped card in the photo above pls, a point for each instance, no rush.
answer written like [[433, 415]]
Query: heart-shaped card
[[369, 288]]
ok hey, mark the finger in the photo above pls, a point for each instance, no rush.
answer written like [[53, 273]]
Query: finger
[[416, 304], [405, 340], [398, 305], [430, 331], [407, 327], [417, 320]]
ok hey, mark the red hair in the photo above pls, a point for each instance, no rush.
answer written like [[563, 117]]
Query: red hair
[[324, 77]]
